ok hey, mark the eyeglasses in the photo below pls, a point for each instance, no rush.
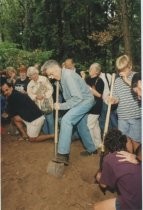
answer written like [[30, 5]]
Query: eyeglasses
[[51, 76]]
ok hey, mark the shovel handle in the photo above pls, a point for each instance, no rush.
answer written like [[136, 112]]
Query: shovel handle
[[108, 111], [56, 117]]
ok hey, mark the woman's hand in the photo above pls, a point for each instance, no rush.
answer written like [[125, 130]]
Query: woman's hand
[[111, 100], [126, 156]]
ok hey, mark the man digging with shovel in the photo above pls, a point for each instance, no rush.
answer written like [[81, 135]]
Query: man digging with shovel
[[78, 101]]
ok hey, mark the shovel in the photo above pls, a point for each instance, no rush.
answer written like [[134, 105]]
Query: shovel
[[107, 121], [105, 132], [53, 168]]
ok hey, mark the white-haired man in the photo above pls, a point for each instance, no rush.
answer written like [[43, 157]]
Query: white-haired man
[[78, 101]]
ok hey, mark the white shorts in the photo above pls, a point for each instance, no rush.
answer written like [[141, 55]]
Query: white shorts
[[34, 127]]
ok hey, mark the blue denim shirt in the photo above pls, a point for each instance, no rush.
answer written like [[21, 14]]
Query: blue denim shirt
[[75, 90]]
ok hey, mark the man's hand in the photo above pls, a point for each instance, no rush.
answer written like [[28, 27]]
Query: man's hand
[[56, 106]]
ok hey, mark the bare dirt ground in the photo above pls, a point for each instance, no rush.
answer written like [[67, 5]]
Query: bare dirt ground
[[25, 184]]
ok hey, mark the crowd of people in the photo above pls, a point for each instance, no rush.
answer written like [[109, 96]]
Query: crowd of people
[[28, 100]]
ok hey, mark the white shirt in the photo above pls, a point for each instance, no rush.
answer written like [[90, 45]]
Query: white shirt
[[106, 86]]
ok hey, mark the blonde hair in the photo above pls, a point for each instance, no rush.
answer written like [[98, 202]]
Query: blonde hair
[[123, 62], [10, 69]]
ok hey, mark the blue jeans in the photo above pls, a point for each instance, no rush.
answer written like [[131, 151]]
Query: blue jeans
[[131, 128], [48, 127], [117, 203], [75, 116], [113, 123], [75, 134]]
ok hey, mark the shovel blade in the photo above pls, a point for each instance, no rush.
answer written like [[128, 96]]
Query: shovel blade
[[55, 169]]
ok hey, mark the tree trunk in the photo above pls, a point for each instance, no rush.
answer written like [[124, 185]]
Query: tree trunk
[[125, 27], [60, 29]]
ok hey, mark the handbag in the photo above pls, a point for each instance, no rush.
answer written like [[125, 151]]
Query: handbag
[[47, 106]]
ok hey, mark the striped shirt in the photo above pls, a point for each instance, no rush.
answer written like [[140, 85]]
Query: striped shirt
[[129, 107]]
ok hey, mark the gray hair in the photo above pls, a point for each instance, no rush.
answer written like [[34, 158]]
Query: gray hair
[[49, 64], [96, 66], [32, 70]]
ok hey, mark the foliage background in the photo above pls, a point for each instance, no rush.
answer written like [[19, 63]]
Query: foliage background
[[32, 31]]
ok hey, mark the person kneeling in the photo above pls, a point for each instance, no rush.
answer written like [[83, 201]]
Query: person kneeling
[[123, 176]]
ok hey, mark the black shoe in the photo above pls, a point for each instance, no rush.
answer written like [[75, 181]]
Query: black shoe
[[62, 158], [86, 153]]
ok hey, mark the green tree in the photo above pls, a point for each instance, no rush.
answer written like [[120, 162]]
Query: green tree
[[87, 30]]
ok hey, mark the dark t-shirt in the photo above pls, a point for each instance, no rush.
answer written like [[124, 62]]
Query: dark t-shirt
[[22, 105], [126, 178], [21, 85], [98, 84]]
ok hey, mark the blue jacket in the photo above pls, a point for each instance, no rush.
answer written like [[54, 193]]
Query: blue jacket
[[75, 90]]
